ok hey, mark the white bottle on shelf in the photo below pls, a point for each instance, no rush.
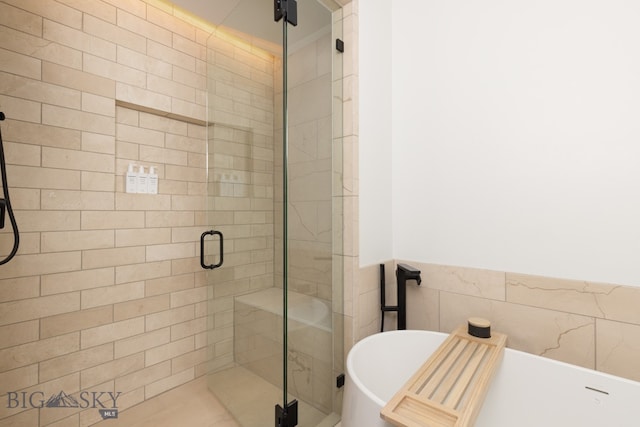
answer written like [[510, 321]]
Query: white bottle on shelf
[[131, 180], [142, 180], [152, 181]]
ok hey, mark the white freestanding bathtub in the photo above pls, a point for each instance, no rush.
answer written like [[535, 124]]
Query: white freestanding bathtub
[[526, 391]]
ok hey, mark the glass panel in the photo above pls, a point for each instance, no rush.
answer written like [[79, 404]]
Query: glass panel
[[311, 236], [244, 341], [245, 203]]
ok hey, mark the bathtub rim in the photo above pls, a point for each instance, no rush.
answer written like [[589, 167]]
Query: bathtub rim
[[351, 356], [369, 394]]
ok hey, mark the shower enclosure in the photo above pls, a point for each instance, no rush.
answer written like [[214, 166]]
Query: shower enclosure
[[275, 209]]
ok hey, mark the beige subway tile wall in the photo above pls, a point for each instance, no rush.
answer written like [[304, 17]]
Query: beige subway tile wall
[[106, 292]]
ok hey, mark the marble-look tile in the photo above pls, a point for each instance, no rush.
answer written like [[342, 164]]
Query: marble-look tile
[[338, 342], [370, 277], [463, 280], [350, 226], [299, 375], [190, 404], [312, 340], [574, 296], [423, 308], [349, 335], [351, 288], [368, 301], [553, 334], [322, 383], [369, 314], [351, 173], [251, 399], [618, 348], [258, 348]]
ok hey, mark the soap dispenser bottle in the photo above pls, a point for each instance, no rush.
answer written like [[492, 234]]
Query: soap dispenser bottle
[[152, 181], [131, 181], [142, 180]]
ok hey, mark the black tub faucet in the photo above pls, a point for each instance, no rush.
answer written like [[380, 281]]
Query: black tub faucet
[[405, 272]]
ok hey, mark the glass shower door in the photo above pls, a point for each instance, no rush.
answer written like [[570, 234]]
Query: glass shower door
[[311, 271], [285, 11], [272, 190]]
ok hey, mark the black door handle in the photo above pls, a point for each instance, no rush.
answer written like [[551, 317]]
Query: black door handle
[[205, 234]]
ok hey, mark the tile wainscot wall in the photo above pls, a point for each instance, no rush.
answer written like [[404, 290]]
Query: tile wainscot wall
[[595, 325]]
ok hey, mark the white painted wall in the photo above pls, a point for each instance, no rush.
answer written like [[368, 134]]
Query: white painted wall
[[375, 130], [516, 136]]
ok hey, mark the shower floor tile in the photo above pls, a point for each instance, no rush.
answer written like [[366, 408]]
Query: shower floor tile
[[188, 405], [250, 397]]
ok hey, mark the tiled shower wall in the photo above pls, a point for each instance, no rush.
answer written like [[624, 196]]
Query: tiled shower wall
[[310, 169], [106, 293], [241, 173], [595, 325]]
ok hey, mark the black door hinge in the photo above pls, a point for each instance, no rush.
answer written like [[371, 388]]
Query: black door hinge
[[287, 9], [287, 417], [340, 381]]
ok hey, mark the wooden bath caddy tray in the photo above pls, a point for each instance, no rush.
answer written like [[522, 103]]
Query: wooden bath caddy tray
[[448, 390]]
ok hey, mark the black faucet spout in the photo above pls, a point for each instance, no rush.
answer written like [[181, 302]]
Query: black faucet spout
[[406, 272]]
